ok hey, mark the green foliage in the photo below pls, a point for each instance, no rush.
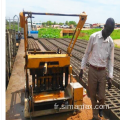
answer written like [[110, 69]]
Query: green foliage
[[12, 27], [87, 33], [44, 24], [49, 33], [54, 23], [61, 23], [49, 23], [115, 34], [116, 46], [67, 36], [66, 22], [55, 33], [72, 22]]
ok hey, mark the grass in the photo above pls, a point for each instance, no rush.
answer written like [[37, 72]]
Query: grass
[[115, 34], [116, 46], [85, 34], [49, 33], [12, 27]]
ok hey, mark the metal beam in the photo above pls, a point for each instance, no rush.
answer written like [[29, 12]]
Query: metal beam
[[55, 14]]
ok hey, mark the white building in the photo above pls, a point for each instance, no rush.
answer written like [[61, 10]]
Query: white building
[[86, 25], [38, 24]]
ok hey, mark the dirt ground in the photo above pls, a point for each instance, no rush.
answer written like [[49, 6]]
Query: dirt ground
[[84, 114], [117, 42]]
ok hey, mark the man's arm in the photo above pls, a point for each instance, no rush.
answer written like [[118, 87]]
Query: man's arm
[[85, 57], [111, 62], [110, 66], [87, 52]]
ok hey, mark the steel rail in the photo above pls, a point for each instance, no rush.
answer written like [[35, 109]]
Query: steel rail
[[56, 14]]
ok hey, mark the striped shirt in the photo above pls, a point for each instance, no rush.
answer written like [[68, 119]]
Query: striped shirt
[[99, 53]]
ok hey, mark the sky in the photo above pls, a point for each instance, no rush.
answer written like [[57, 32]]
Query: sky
[[97, 10]]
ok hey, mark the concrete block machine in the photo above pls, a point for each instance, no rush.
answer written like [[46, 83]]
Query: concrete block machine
[[52, 89]]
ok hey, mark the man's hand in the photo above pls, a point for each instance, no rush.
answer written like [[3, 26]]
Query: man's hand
[[81, 74], [109, 82]]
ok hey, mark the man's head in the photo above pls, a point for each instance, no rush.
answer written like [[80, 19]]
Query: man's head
[[109, 27]]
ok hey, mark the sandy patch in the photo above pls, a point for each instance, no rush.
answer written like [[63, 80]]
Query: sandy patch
[[117, 42]]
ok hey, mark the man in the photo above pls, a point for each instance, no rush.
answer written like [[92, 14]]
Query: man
[[100, 54], [19, 36]]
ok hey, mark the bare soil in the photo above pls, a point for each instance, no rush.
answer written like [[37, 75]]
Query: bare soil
[[117, 42]]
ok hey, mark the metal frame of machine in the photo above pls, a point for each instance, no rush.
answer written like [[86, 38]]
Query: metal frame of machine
[[51, 75]]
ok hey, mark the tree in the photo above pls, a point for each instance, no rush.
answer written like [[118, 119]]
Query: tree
[[7, 22], [49, 23], [61, 23], [72, 22], [66, 22], [54, 23], [44, 24]]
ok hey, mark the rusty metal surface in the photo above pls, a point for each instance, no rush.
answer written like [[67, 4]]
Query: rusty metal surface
[[49, 95]]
